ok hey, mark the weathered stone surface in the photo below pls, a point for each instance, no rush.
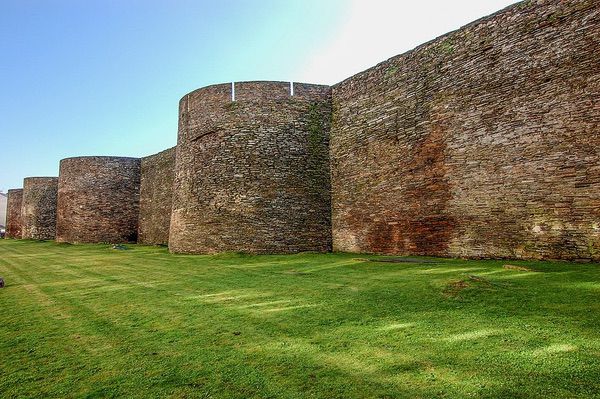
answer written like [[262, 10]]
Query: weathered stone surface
[[253, 175], [14, 220], [481, 143], [98, 200], [39, 208], [156, 193]]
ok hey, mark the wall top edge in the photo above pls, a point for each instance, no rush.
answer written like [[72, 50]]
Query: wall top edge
[[40, 178], [258, 87], [100, 158], [160, 152]]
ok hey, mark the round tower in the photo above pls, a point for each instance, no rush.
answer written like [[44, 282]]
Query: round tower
[[14, 220], [98, 200], [252, 169], [39, 207]]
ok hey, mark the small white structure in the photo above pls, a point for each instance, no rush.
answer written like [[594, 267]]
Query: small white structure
[[3, 204]]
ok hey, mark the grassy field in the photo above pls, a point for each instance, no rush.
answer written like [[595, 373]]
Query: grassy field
[[90, 321]]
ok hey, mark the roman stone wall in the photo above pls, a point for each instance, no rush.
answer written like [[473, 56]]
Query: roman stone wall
[[252, 175], [38, 210], [156, 192], [98, 200], [482, 143], [14, 221]]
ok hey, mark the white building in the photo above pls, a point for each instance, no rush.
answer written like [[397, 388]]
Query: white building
[[3, 203]]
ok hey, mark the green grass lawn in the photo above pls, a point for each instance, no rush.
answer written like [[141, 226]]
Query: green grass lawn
[[90, 321]]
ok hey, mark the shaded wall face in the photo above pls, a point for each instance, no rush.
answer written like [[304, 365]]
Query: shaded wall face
[[98, 200], [39, 208], [156, 192], [14, 221], [483, 143], [253, 175]]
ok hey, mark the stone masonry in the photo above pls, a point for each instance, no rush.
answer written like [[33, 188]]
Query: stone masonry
[[14, 221], [156, 193], [252, 175], [39, 208], [481, 143], [98, 200]]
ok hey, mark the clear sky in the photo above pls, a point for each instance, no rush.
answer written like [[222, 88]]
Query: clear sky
[[104, 77]]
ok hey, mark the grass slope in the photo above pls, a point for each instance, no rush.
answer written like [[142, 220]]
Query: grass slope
[[89, 321]]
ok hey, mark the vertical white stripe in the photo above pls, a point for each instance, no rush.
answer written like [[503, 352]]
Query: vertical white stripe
[[291, 88], [232, 91]]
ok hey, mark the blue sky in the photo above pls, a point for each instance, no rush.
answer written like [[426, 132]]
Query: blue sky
[[103, 77]]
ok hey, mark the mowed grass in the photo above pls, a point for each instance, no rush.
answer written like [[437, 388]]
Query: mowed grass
[[90, 321]]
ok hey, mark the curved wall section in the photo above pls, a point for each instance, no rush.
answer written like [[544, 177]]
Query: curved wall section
[[14, 221], [156, 193], [39, 207], [481, 143], [98, 200], [252, 175]]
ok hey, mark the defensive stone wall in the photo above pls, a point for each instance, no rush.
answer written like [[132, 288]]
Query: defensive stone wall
[[156, 192], [98, 200], [39, 208], [481, 143], [14, 220], [252, 175]]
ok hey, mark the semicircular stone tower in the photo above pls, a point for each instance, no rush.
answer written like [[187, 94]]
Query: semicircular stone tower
[[98, 200], [14, 219], [252, 169], [39, 208]]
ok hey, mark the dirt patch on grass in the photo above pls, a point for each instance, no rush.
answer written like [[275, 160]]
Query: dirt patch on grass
[[455, 287], [518, 268], [395, 260]]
